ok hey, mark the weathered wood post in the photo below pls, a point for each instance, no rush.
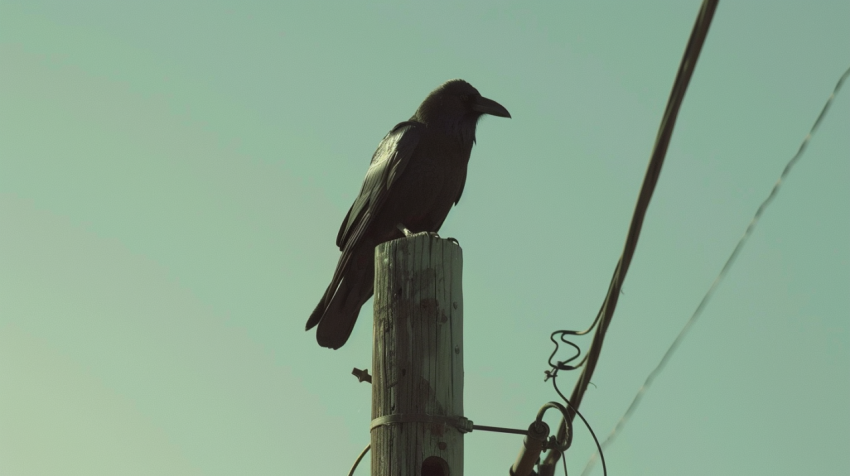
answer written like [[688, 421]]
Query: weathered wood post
[[417, 358]]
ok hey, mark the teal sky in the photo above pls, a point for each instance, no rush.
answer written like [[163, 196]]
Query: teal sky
[[173, 174]]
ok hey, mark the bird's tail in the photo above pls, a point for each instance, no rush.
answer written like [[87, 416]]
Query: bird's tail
[[317, 314], [350, 288]]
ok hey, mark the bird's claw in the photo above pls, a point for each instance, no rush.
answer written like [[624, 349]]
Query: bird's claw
[[432, 234], [408, 233]]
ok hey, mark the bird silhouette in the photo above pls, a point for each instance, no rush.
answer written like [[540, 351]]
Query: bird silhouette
[[415, 177]]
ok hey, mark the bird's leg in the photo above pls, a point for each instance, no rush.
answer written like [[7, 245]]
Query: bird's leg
[[404, 229]]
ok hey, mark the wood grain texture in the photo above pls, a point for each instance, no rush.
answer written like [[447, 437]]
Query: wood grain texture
[[417, 356]]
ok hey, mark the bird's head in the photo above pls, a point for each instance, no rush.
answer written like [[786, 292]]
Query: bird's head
[[456, 103]]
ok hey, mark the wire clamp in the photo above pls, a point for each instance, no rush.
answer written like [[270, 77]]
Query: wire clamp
[[461, 424]]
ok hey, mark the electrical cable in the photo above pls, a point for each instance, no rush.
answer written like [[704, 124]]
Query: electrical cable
[[659, 151], [665, 132], [592, 433], [357, 461], [564, 461], [725, 269]]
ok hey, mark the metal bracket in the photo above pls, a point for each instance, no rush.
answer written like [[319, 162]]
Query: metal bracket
[[362, 375]]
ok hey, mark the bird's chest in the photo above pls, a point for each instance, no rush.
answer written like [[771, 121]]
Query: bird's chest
[[438, 178], [430, 185]]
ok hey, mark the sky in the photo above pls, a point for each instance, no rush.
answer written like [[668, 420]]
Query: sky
[[173, 175]]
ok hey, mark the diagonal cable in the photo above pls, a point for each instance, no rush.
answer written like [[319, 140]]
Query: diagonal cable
[[707, 297], [665, 132]]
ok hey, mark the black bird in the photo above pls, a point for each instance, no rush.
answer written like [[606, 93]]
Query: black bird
[[415, 177]]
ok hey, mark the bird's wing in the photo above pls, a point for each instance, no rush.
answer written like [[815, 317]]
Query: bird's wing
[[387, 164], [460, 192]]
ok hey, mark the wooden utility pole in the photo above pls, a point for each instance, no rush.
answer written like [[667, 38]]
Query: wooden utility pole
[[417, 358]]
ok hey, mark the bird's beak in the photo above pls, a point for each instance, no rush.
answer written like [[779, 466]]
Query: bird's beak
[[489, 106]]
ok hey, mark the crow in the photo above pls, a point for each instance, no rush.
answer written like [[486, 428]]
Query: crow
[[415, 177]]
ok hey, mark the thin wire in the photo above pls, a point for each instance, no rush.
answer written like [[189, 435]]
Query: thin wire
[[595, 440], [564, 460], [729, 261], [362, 454]]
